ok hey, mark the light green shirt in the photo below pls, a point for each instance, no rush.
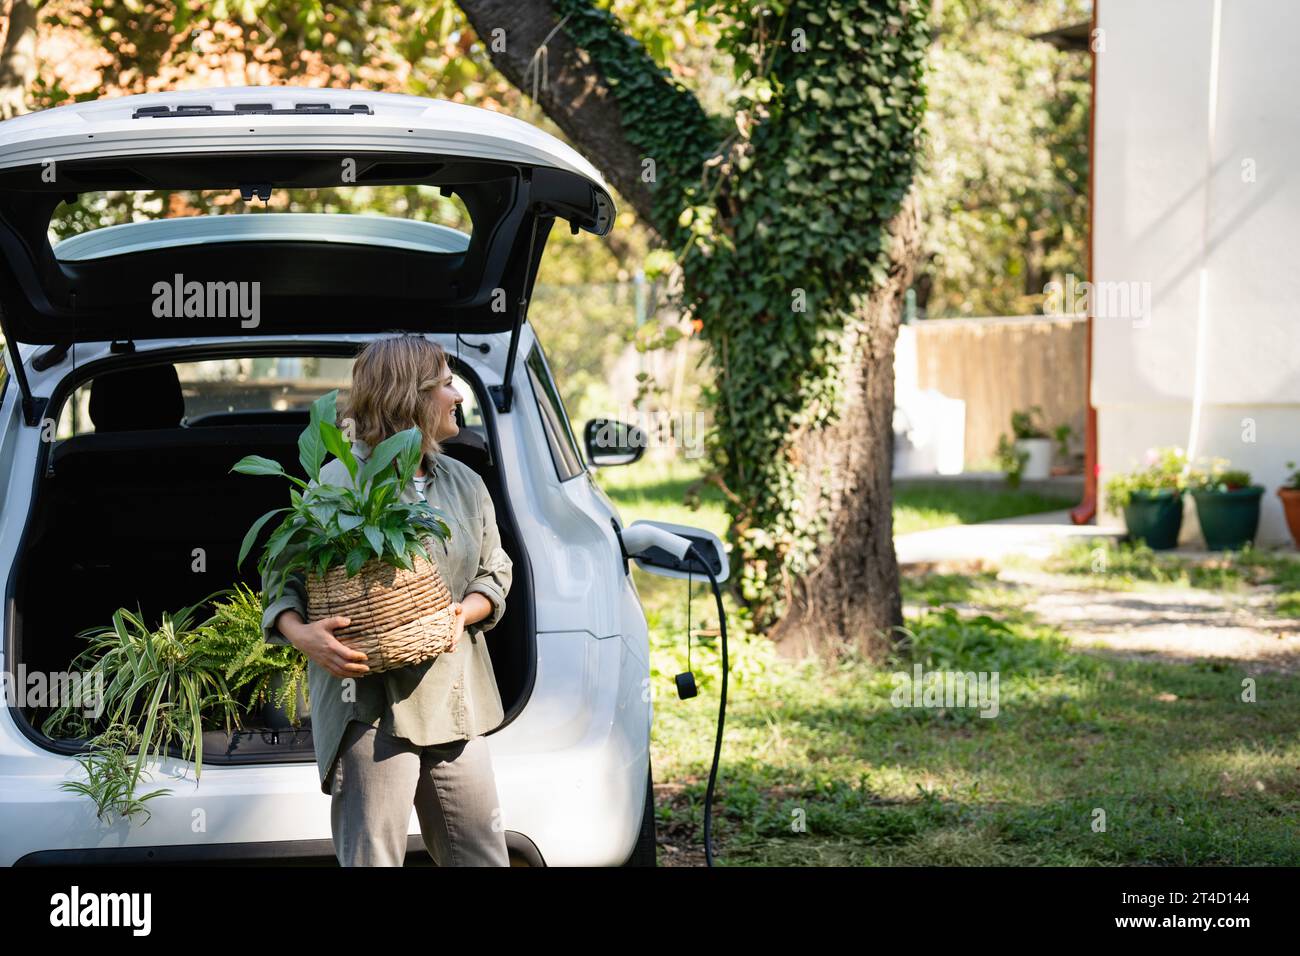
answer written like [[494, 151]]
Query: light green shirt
[[452, 696]]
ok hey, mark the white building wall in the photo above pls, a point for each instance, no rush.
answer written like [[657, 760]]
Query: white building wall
[[1197, 192]]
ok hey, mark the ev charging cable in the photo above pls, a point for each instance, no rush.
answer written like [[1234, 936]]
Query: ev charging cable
[[638, 539]]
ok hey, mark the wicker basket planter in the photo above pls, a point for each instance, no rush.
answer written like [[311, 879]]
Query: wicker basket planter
[[398, 617]]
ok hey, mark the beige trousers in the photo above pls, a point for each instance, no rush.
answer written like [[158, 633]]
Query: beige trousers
[[376, 780]]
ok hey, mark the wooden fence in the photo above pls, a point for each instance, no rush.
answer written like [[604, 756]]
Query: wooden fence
[[1000, 365]]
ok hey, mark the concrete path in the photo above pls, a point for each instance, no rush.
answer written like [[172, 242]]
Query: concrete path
[[1166, 623], [1034, 536], [1154, 622]]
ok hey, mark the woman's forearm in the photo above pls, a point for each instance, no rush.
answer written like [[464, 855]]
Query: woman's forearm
[[477, 607]]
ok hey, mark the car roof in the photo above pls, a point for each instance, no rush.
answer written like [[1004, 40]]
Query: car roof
[[270, 118]]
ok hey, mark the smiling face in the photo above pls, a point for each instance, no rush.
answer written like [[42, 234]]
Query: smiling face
[[401, 382], [445, 397]]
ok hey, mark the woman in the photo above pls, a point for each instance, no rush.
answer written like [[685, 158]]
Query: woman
[[411, 736]]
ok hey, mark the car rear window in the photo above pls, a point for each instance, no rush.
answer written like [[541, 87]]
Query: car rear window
[[252, 389], [99, 210]]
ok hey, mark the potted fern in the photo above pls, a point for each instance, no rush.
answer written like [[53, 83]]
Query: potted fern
[[270, 679], [362, 549]]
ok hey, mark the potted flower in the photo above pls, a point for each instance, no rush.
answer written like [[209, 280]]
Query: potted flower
[[1227, 505], [1290, 495], [1151, 498], [1033, 442]]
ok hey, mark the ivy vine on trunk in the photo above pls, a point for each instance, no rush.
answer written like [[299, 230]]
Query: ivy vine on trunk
[[780, 217]]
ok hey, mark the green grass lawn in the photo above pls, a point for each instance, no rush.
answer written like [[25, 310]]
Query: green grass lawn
[[819, 767], [658, 487], [1123, 565], [921, 507]]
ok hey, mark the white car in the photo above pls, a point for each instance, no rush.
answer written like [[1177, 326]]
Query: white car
[[144, 359]]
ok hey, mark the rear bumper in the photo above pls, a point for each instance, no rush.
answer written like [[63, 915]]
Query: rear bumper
[[523, 852]]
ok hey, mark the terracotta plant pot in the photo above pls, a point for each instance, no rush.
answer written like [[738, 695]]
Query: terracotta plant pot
[[1291, 507]]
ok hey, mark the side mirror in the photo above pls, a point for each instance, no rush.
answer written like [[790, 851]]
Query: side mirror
[[656, 560], [611, 442]]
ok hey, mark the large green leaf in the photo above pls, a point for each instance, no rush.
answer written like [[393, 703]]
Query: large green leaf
[[324, 408], [396, 541], [257, 465], [356, 558], [323, 511], [311, 450], [252, 534], [376, 539], [338, 447], [408, 459], [383, 454]]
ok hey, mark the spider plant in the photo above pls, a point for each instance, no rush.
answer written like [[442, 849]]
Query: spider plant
[[159, 683], [110, 778], [329, 525]]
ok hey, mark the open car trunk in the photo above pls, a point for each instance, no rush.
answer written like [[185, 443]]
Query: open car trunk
[[117, 517], [118, 514]]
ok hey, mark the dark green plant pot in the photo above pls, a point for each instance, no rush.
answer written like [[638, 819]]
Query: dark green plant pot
[[1229, 519], [1155, 518]]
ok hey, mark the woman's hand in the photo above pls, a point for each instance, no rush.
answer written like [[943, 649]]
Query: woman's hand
[[458, 625], [316, 640]]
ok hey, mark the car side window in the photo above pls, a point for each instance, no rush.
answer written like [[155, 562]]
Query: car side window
[[559, 436]]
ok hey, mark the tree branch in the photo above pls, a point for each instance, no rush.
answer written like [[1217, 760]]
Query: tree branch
[[17, 59], [573, 92]]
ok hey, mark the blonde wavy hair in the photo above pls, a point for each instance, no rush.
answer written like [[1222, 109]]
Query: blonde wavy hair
[[391, 379]]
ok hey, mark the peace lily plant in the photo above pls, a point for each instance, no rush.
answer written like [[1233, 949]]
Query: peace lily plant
[[328, 526]]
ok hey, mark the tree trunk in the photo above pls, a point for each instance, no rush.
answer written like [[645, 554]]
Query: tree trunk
[[851, 596], [17, 59]]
